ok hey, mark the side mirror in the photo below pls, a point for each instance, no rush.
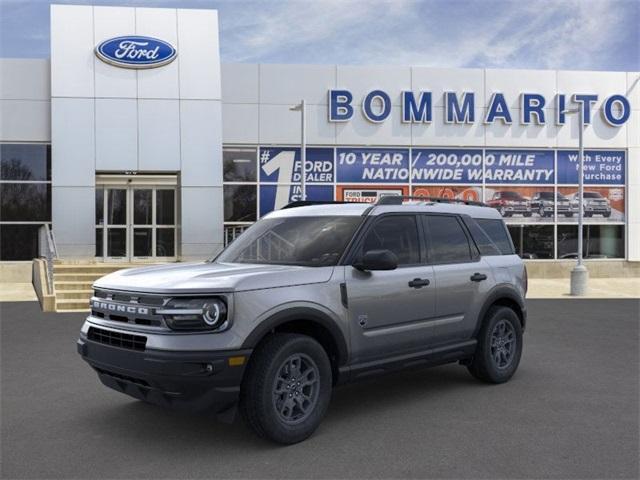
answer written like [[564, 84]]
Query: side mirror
[[377, 260]]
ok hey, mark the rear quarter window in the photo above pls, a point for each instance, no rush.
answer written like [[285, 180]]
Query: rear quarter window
[[494, 238]]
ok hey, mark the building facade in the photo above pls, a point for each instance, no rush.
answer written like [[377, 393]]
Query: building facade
[[170, 163]]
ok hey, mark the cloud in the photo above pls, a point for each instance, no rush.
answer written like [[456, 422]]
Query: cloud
[[544, 34]]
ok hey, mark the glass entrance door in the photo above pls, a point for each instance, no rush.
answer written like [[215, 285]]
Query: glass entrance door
[[136, 223]]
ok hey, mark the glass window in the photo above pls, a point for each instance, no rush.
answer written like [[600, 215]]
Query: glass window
[[25, 162], [99, 242], [117, 242], [240, 203], [142, 206], [142, 242], [25, 202], [448, 242], [165, 242], [498, 234], [532, 241], [598, 241], [397, 233], [18, 242], [165, 207], [99, 206], [117, 207], [308, 241], [239, 164]]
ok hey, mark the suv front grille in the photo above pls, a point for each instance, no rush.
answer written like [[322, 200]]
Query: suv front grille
[[117, 339], [128, 308]]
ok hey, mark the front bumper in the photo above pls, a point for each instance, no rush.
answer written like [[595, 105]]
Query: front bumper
[[193, 381], [597, 209], [517, 208]]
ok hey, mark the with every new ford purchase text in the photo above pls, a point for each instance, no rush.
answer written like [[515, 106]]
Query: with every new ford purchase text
[[309, 297]]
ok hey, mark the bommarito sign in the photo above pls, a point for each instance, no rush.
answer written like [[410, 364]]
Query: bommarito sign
[[460, 108]]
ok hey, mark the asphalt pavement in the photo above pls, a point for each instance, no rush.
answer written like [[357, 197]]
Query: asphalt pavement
[[571, 411]]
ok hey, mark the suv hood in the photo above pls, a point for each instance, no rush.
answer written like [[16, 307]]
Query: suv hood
[[211, 277]]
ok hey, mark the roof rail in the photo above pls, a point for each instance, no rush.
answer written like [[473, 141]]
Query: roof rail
[[399, 199], [306, 203]]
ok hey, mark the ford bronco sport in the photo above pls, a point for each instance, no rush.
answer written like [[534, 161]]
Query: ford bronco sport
[[310, 297]]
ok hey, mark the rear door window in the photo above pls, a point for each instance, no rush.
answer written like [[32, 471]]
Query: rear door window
[[447, 240]]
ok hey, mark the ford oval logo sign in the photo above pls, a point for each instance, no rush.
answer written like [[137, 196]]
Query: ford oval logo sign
[[134, 51]]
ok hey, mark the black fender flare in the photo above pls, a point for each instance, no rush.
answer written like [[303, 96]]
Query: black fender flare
[[300, 313], [497, 293]]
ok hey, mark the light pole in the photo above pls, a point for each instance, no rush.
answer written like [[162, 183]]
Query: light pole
[[580, 274], [303, 147]]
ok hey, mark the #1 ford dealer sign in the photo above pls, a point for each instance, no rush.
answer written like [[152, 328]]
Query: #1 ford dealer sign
[[136, 52]]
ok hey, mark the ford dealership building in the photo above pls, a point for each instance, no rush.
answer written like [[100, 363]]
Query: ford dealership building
[[133, 142]]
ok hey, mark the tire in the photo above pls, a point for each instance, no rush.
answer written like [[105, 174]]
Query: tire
[[487, 364], [527, 214], [541, 212], [568, 215], [606, 214], [268, 372]]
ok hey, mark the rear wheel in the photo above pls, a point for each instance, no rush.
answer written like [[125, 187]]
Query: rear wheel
[[287, 388], [499, 346]]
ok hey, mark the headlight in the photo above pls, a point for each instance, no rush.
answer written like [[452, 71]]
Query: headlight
[[195, 314]]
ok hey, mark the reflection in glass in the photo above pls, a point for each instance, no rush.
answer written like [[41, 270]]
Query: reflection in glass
[[142, 207], [165, 242], [142, 242], [18, 242], [116, 242], [532, 241], [598, 241], [25, 202], [239, 164], [239, 203], [117, 207], [165, 207], [99, 242], [25, 162], [99, 206]]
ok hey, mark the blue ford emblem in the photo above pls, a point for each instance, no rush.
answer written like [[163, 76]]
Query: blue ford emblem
[[136, 52]]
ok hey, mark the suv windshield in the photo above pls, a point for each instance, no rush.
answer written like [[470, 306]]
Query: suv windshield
[[592, 195], [305, 241]]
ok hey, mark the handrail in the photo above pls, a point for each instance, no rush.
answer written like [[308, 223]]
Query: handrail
[[47, 248]]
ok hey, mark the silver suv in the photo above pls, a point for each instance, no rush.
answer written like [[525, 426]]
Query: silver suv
[[308, 298]]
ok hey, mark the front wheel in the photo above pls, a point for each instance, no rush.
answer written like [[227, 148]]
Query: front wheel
[[499, 346], [287, 388]]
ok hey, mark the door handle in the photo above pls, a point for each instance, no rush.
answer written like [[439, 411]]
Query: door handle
[[478, 277], [419, 282]]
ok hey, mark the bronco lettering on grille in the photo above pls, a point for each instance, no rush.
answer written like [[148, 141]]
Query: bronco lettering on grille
[[116, 307]]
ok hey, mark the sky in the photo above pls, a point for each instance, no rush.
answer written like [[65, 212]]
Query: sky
[[534, 34]]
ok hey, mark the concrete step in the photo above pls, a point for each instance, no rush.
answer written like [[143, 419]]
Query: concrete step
[[63, 285], [76, 277], [71, 304], [74, 294], [84, 270]]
